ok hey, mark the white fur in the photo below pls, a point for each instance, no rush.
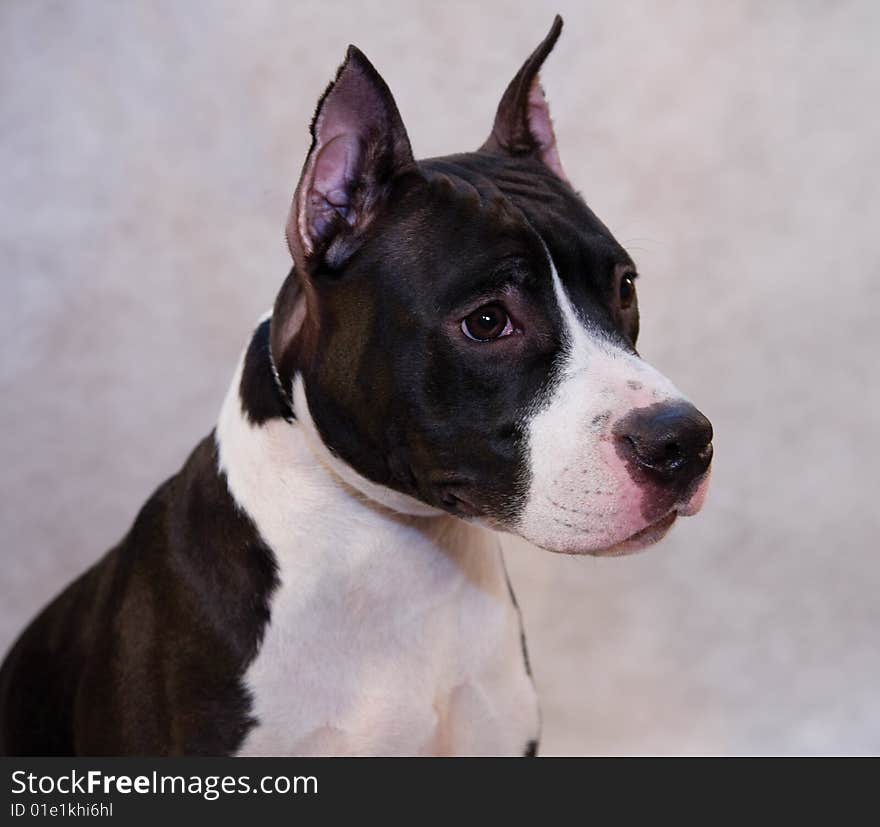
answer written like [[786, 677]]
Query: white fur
[[581, 498], [391, 633]]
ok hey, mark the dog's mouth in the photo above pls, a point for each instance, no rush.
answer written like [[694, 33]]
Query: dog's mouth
[[639, 541], [456, 496], [657, 530], [453, 497]]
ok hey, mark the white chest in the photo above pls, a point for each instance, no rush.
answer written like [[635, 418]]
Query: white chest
[[422, 661]]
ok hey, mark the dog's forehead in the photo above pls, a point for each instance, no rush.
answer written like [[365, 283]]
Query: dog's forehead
[[577, 240]]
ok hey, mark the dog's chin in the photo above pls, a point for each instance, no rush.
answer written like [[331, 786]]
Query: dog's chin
[[641, 540], [638, 541]]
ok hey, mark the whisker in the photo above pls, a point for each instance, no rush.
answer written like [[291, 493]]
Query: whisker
[[578, 511]]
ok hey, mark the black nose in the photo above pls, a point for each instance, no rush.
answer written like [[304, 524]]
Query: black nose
[[671, 442]]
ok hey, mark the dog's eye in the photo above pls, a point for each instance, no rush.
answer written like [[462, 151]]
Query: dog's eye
[[487, 322], [627, 291]]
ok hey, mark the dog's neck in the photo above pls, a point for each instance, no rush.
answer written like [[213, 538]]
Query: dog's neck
[[377, 495], [304, 501]]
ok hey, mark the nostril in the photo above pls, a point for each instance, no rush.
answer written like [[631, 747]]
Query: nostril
[[671, 456], [664, 457], [671, 451]]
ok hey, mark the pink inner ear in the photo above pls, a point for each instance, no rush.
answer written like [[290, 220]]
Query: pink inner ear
[[332, 178], [541, 128], [335, 168], [326, 190]]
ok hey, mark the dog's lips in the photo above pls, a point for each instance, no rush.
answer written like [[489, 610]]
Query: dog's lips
[[657, 530], [698, 496], [639, 541], [454, 499], [464, 508]]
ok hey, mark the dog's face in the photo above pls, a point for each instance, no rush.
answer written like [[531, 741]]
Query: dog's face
[[462, 330]]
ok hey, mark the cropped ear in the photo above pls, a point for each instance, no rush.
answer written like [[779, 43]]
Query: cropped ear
[[359, 144], [522, 123]]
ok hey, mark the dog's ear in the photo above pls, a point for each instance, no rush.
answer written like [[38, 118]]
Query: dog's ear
[[359, 144], [522, 123]]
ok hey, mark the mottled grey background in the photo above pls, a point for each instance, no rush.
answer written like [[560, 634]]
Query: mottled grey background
[[148, 151]]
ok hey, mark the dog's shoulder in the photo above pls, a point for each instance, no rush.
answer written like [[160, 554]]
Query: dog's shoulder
[[172, 615], [194, 581]]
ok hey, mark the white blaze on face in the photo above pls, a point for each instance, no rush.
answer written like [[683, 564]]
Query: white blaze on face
[[581, 498]]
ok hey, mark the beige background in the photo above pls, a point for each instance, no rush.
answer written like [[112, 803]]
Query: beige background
[[147, 154]]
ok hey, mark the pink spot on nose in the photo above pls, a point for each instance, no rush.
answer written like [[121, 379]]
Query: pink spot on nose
[[695, 502]]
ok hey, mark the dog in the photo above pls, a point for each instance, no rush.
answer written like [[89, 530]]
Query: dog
[[452, 356]]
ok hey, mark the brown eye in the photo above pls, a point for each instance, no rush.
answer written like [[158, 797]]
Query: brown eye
[[627, 291], [487, 322]]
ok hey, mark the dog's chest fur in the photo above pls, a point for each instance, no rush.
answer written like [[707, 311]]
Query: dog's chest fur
[[388, 634]]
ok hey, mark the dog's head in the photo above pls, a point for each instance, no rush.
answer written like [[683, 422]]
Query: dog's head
[[459, 333]]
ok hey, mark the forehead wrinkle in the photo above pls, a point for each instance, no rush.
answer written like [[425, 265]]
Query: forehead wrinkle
[[527, 197], [481, 200], [551, 206], [464, 179]]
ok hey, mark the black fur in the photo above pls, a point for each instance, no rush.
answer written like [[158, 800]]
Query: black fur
[[261, 397], [133, 658]]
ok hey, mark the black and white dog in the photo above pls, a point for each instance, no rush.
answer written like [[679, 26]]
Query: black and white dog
[[452, 355]]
